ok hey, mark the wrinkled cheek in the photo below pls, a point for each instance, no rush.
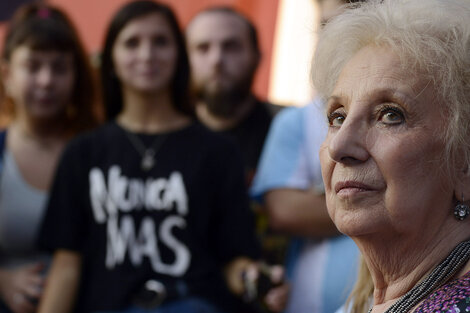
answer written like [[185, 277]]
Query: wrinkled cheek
[[327, 166], [331, 205], [421, 165]]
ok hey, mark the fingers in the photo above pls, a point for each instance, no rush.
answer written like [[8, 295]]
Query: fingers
[[34, 280], [250, 278], [33, 292], [252, 272], [35, 268], [276, 298], [29, 283], [25, 288], [20, 304], [277, 274]]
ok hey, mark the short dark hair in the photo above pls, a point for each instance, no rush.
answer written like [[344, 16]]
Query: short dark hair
[[111, 86], [252, 32], [46, 28]]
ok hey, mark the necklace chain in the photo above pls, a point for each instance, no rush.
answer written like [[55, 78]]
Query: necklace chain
[[147, 154], [439, 275]]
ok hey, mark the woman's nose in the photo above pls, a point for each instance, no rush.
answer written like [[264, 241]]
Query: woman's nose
[[348, 144], [45, 76], [145, 51]]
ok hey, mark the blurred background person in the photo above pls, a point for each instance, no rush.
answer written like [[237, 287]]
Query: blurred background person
[[150, 211], [322, 264], [396, 158], [224, 54], [49, 97]]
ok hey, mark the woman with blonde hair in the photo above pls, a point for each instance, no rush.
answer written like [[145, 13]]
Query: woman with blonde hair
[[396, 160]]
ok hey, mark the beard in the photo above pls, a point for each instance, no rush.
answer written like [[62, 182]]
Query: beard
[[224, 102]]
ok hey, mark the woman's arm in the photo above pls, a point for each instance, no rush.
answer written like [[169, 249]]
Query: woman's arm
[[299, 212], [62, 283]]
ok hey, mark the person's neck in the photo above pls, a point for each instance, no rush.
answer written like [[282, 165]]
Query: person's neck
[[44, 133], [150, 113], [398, 263], [218, 123]]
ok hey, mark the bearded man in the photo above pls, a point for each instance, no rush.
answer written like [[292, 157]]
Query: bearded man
[[224, 54]]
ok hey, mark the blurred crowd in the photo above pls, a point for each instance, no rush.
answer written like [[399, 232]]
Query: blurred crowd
[[128, 187], [159, 182]]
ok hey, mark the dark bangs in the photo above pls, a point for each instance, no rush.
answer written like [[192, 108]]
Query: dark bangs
[[40, 34]]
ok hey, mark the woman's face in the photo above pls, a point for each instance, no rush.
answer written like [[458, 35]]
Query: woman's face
[[145, 54], [382, 158], [40, 82]]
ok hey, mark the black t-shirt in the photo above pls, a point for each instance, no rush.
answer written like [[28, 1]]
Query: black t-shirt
[[182, 220], [250, 135]]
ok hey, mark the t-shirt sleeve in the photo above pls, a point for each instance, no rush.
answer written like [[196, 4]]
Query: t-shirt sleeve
[[63, 226], [234, 225], [283, 161]]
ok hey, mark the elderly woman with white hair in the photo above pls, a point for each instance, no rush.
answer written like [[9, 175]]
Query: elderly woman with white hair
[[395, 75]]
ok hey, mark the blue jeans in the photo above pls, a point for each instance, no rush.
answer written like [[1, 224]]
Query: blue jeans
[[187, 305]]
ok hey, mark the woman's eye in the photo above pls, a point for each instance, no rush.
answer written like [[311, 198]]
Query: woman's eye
[[131, 42], [61, 67], [336, 119], [202, 48], [391, 115], [32, 66]]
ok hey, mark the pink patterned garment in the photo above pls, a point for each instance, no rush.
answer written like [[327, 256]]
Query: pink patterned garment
[[453, 297]]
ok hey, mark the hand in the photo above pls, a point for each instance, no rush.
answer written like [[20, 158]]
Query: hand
[[276, 298], [267, 283], [21, 288]]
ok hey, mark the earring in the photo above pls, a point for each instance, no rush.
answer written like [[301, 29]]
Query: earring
[[461, 210]]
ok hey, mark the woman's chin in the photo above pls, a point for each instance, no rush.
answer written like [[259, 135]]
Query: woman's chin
[[355, 223]]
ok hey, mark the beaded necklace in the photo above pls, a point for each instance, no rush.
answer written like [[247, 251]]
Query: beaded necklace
[[439, 275]]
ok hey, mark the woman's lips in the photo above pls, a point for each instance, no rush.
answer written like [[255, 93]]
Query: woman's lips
[[348, 188], [45, 100]]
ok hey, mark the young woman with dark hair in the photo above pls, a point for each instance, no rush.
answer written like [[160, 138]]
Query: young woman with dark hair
[[48, 96], [149, 211], [112, 84]]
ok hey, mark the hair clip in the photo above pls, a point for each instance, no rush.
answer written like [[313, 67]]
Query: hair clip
[[44, 12]]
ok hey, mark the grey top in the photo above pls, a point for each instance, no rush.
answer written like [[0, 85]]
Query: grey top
[[22, 208]]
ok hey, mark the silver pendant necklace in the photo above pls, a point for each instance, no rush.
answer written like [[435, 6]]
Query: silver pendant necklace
[[148, 154], [439, 276]]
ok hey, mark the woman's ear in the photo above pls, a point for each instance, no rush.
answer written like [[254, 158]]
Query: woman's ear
[[462, 186]]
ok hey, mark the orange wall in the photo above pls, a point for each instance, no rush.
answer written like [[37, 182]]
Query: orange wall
[[92, 16]]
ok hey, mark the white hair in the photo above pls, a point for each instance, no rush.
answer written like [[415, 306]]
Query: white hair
[[429, 36]]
